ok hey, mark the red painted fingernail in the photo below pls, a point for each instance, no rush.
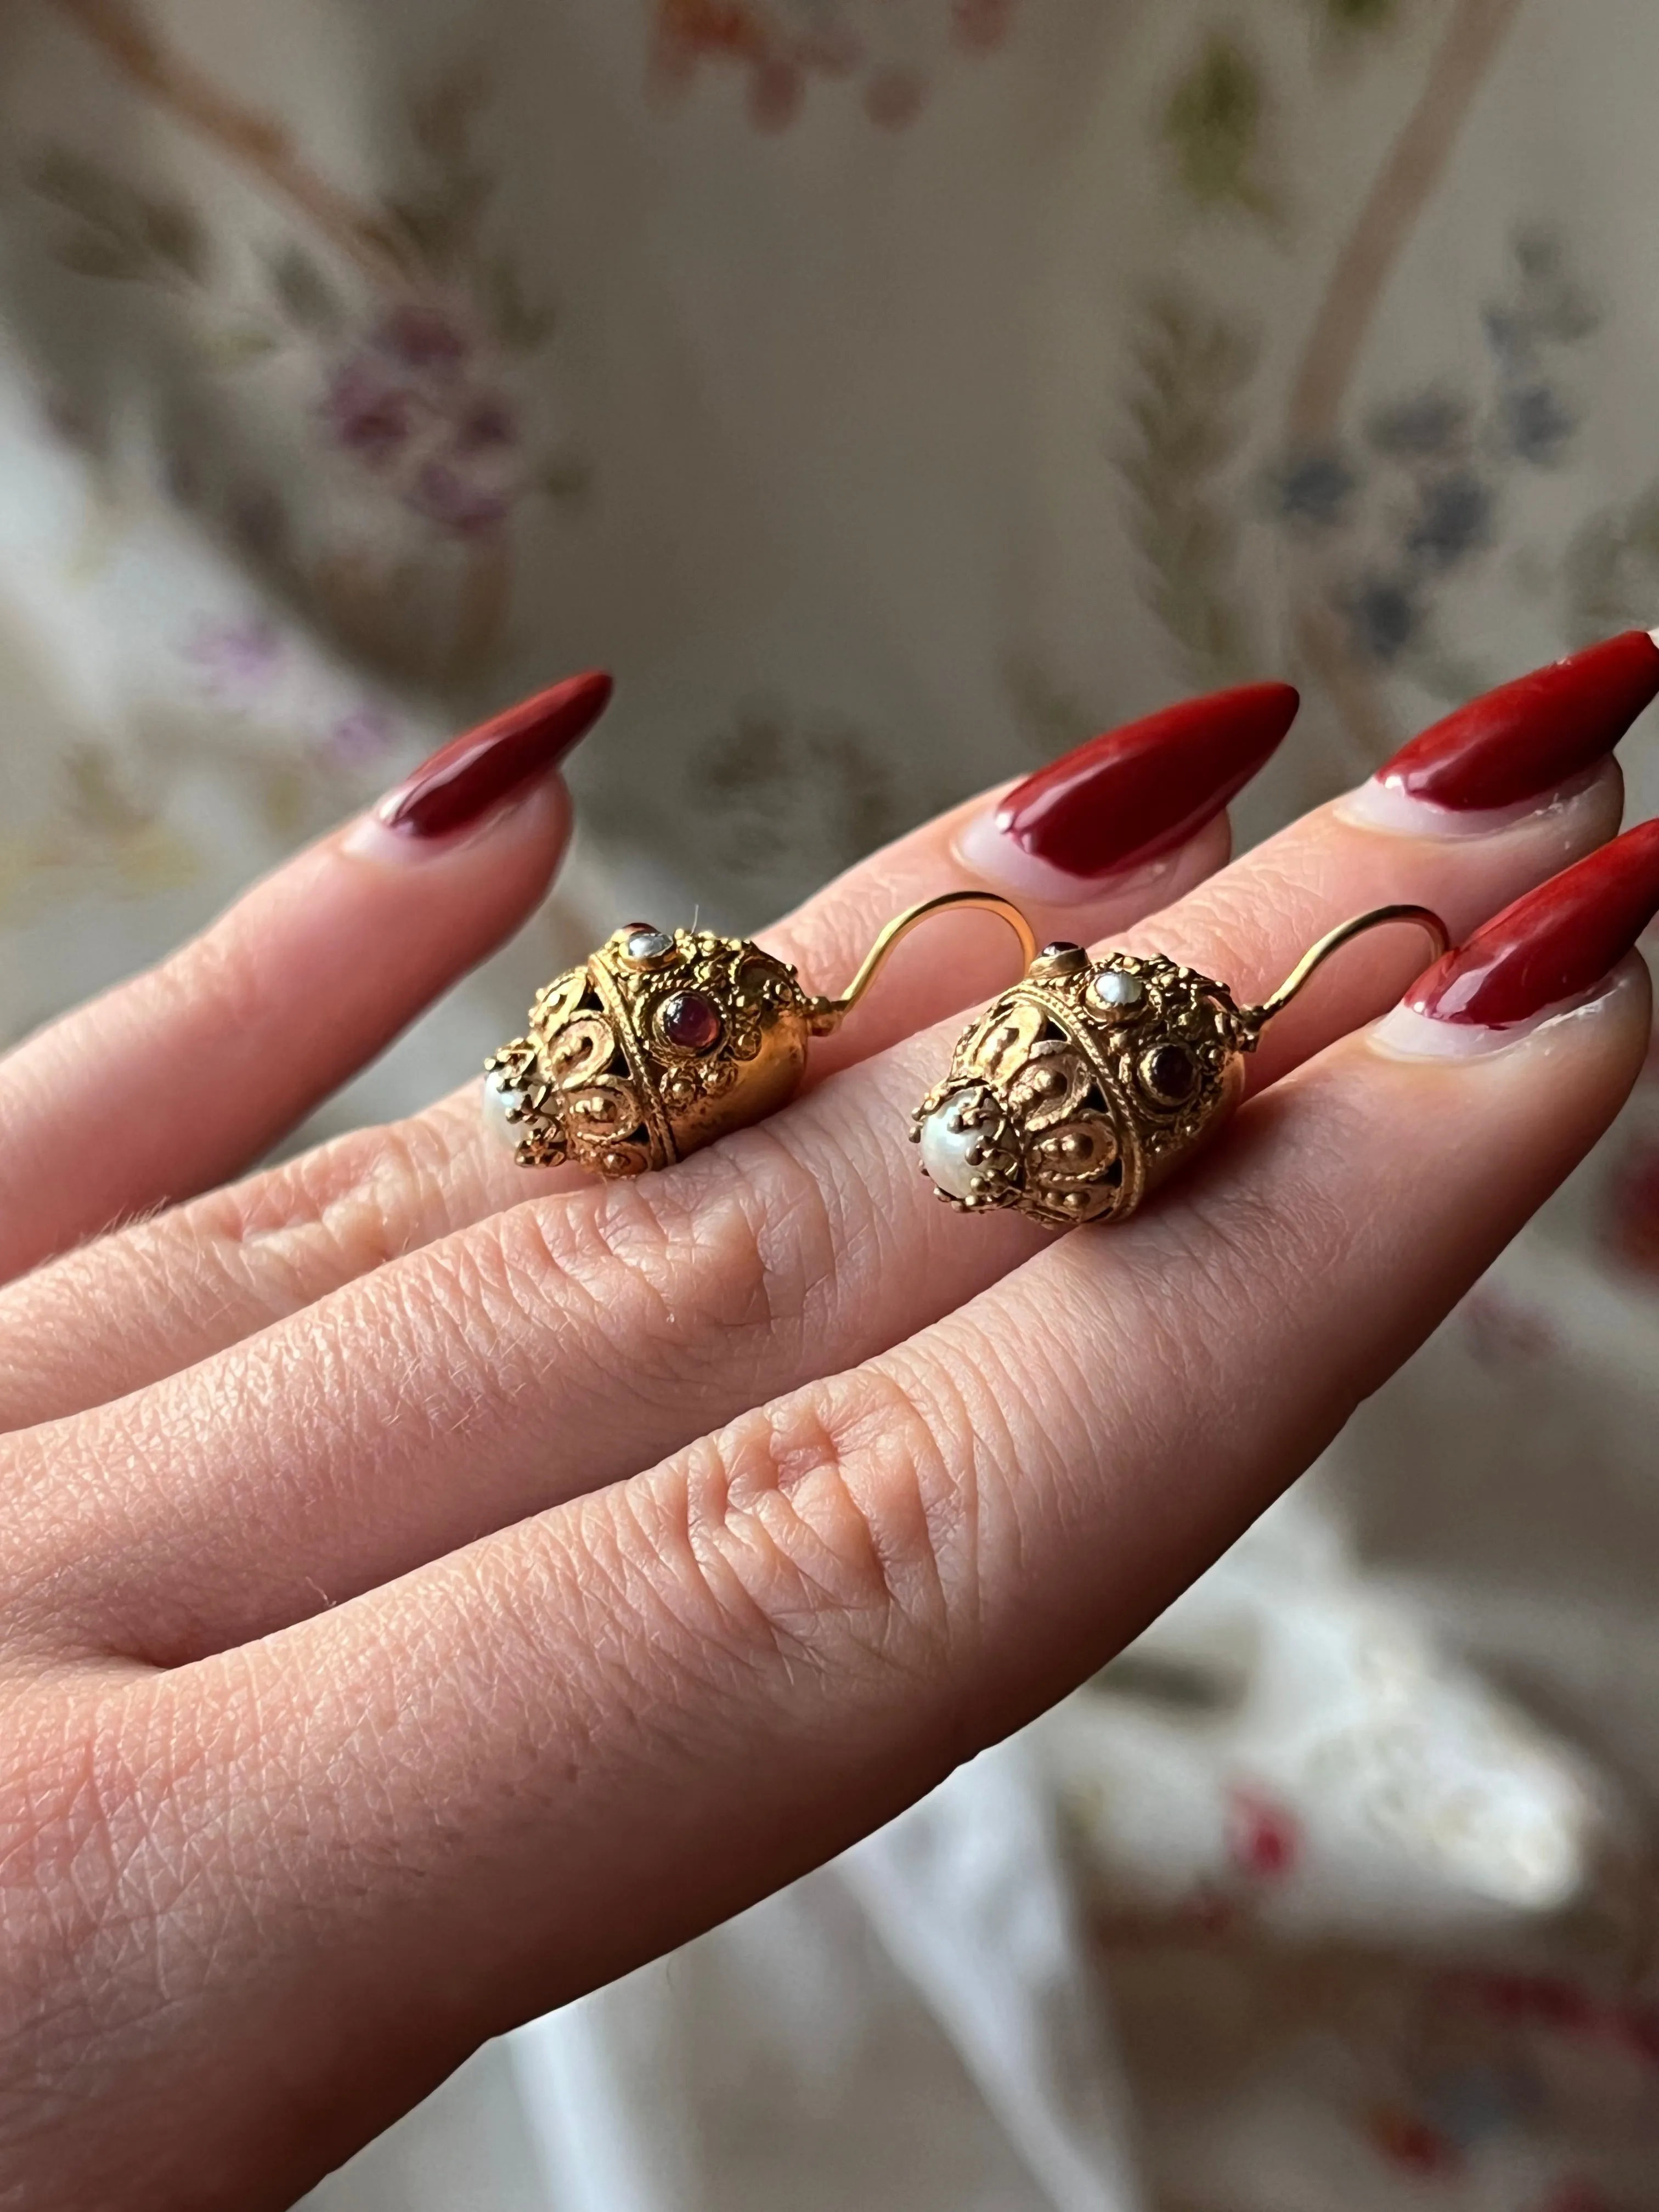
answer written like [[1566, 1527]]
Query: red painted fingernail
[[1526, 738], [1553, 945], [1143, 789], [466, 778]]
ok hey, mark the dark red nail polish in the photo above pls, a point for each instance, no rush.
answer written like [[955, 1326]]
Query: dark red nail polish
[[1143, 789], [1555, 943], [1526, 738], [466, 778]]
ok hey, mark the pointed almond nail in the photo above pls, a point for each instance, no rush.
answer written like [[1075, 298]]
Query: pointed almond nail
[[1556, 944], [1141, 791], [1526, 738], [465, 779]]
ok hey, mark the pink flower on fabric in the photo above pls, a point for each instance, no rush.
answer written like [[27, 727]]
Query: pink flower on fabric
[[1407, 2142], [424, 339], [1634, 1229], [894, 97], [412, 408], [359, 740], [447, 496], [370, 412], [1264, 1839], [980, 25], [239, 659], [1502, 1333], [782, 44]]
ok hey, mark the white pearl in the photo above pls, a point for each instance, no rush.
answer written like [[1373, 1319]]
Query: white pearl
[[648, 945], [498, 1103], [945, 1146], [1114, 988]]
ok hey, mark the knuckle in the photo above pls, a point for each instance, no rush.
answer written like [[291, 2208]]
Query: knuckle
[[1248, 1239], [217, 1267], [820, 1529], [695, 1283], [339, 1211], [1280, 1214], [222, 975], [333, 1215]]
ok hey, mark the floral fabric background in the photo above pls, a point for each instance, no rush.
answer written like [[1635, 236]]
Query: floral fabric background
[[891, 392]]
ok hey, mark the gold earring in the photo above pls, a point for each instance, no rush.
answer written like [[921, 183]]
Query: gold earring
[[1089, 1083], [659, 1044]]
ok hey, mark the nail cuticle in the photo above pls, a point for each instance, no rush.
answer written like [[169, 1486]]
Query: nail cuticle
[[469, 778], [1553, 944], [1393, 812], [986, 851], [1403, 1033], [372, 837]]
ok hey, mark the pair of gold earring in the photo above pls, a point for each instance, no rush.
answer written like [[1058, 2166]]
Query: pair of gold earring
[[1071, 1097]]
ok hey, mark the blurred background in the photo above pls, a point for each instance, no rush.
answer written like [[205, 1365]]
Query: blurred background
[[891, 392]]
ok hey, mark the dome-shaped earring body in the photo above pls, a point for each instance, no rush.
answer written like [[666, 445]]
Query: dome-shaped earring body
[[1082, 1087], [1087, 1083], [655, 1045], [662, 1041]]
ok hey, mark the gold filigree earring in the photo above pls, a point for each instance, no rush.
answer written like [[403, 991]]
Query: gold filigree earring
[[1089, 1083], [661, 1043]]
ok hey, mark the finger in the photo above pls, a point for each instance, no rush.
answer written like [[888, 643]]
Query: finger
[[553, 1348], [171, 1082], [687, 1689], [1142, 814]]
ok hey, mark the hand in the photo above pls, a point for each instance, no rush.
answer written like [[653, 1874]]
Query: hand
[[431, 1589]]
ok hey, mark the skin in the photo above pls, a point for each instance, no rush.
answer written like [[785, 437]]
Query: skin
[[430, 1590]]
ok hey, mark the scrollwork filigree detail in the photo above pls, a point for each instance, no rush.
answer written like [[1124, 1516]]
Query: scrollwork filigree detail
[[1072, 1092], [651, 1048]]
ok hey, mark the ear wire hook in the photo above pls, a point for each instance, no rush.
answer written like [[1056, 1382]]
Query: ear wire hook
[[827, 1015], [1424, 918]]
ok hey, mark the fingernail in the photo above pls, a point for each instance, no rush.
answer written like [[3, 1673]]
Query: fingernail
[[1522, 742], [1555, 946], [1127, 797], [464, 779]]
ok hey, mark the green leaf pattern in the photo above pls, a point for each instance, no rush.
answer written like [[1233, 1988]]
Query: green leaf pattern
[[1213, 127], [1187, 408]]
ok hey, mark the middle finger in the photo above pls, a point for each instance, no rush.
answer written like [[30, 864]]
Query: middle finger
[[1120, 826]]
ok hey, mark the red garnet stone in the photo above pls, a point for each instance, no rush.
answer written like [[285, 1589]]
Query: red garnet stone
[[690, 1022], [1172, 1071]]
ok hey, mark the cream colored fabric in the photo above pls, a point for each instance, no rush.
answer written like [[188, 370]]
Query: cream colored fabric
[[892, 390]]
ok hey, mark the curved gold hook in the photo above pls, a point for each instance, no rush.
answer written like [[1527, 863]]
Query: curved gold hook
[[1316, 956], [829, 1014]]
